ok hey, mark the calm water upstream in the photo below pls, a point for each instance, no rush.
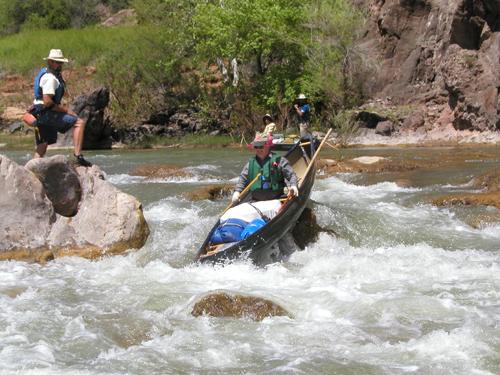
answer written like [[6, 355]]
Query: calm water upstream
[[405, 287]]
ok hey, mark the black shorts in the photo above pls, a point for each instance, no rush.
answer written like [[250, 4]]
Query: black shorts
[[49, 123]]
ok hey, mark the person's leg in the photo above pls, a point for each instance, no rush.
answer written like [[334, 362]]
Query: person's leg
[[40, 150], [303, 129], [78, 131]]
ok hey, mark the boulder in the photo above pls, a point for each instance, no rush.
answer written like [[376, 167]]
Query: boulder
[[27, 213], [107, 221], [384, 128], [228, 305], [97, 129], [60, 182]]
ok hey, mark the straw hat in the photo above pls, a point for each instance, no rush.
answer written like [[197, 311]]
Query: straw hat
[[56, 55]]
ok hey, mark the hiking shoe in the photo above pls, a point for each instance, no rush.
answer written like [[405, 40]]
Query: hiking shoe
[[80, 160]]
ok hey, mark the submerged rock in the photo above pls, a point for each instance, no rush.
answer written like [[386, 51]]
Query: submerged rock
[[489, 181], [210, 192], [106, 220], [368, 164], [227, 305], [152, 171]]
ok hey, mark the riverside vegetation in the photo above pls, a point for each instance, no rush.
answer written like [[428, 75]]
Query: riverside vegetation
[[228, 63]]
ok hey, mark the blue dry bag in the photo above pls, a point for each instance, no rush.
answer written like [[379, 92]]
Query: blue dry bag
[[252, 227], [228, 231]]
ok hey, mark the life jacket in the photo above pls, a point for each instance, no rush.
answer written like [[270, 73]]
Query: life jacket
[[271, 177], [38, 90]]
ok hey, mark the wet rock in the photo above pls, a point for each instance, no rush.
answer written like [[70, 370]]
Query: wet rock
[[107, 221], [152, 171], [228, 305], [403, 183], [211, 192], [307, 229], [490, 181], [60, 182], [483, 199], [369, 159], [371, 164]]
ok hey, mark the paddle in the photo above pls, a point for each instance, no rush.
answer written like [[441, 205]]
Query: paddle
[[242, 193], [311, 163]]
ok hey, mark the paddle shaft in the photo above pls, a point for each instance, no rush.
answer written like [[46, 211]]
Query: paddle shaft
[[311, 163], [243, 192]]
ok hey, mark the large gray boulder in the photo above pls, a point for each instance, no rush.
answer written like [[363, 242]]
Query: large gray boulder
[[106, 221], [27, 214]]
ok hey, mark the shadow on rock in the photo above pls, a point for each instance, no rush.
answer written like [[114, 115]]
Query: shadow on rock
[[228, 305]]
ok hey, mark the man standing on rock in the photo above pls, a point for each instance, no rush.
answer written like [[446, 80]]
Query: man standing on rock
[[48, 115], [303, 110]]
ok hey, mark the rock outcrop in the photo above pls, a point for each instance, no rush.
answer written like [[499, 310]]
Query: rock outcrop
[[439, 58], [102, 221], [98, 128], [223, 304]]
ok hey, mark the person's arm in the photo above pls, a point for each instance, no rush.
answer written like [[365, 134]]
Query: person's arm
[[288, 173], [242, 180], [48, 103], [240, 186], [297, 109], [49, 84]]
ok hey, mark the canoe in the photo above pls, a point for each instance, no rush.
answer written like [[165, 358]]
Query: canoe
[[262, 246]]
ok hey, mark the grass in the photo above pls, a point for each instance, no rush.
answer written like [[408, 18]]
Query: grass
[[23, 52]]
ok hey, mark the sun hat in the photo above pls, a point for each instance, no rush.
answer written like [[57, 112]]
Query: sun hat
[[56, 55], [267, 115], [301, 97], [260, 141]]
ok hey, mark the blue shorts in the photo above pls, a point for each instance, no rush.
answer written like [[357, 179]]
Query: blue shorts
[[50, 123]]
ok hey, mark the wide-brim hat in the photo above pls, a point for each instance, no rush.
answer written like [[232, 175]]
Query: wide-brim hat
[[301, 97], [261, 141], [56, 55]]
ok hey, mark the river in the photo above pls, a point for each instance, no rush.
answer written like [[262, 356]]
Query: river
[[403, 288]]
